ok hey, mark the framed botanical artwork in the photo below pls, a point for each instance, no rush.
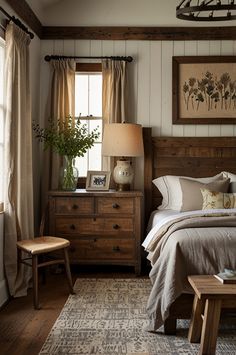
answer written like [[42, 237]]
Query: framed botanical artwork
[[204, 90], [98, 180]]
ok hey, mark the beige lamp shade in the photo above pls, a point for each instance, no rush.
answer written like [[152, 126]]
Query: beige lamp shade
[[122, 140]]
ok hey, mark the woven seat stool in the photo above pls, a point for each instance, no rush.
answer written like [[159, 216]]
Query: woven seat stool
[[39, 247]]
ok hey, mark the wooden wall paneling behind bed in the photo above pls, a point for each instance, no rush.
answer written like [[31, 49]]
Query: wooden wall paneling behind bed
[[186, 156]]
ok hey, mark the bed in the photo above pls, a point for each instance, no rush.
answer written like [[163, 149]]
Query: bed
[[193, 157]]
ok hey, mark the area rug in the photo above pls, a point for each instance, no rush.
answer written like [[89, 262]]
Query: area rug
[[108, 317]]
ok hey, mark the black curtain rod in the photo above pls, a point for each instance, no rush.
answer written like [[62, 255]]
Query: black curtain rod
[[57, 57], [17, 22]]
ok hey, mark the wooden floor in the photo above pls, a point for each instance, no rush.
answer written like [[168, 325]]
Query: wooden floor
[[23, 330]]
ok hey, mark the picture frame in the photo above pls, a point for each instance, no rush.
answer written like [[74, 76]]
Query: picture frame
[[204, 90], [98, 180]]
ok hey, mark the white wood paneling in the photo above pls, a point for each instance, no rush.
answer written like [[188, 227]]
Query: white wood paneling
[[143, 102], [132, 50], [166, 88], [150, 78], [156, 78]]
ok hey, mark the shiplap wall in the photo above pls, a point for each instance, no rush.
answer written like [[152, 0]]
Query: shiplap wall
[[150, 74], [150, 77]]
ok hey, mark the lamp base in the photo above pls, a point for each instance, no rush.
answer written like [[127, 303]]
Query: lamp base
[[122, 187], [123, 175]]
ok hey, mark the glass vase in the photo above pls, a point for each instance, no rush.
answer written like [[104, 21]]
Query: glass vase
[[69, 174]]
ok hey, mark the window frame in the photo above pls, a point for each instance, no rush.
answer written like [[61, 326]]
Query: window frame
[[86, 68]]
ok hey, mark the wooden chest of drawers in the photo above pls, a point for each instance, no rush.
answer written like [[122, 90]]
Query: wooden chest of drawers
[[103, 227]]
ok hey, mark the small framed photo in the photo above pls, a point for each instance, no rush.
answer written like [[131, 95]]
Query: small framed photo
[[98, 180]]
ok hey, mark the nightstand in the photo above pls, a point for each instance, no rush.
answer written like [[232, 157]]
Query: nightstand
[[104, 227]]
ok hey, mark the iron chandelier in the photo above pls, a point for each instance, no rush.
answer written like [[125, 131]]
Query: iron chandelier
[[206, 10]]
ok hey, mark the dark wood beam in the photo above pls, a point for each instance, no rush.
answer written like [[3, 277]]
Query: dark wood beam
[[140, 33], [25, 12]]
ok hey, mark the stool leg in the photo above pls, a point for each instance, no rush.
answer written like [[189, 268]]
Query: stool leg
[[68, 273], [210, 327], [35, 281], [194, 333], [18, 257]]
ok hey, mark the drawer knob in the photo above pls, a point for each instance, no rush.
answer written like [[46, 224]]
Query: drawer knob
[[75, 207], [116, 249], [115, 205], [115, 226], [72, 226]]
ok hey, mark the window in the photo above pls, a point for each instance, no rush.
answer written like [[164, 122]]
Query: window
[[2, 56], [88, 106]]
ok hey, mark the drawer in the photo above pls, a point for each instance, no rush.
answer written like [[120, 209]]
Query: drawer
[[92, 226], [124, 205], [73, 205], [101, 249]]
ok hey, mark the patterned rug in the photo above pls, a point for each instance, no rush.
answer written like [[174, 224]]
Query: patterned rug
[[107, 317]]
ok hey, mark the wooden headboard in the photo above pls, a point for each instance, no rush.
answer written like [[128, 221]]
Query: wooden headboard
[[186, 156]]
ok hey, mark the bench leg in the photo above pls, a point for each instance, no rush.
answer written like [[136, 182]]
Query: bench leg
[[210, 327], [68, 272], [194, 333]]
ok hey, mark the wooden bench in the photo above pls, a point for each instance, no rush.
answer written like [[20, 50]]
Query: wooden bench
[[210, 297]]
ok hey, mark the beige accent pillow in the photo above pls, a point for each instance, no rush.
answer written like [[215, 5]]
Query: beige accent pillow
[[191, 191], [169, 187], [214, 200]]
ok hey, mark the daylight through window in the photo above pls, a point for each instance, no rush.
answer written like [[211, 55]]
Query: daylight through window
[[88, 106]]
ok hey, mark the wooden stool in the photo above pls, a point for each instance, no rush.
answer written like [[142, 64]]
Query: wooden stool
[[41, 246], [210, 296]]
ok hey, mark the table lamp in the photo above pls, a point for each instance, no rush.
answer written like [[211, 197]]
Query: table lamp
[[122, 140]]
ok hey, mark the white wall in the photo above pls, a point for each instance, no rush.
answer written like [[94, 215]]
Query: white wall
[[150, 80]]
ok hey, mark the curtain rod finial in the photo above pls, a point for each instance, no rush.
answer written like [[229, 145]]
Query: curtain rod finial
[[47, 58]]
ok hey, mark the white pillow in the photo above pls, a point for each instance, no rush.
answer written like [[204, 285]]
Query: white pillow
[[232, 185], [169, 187]]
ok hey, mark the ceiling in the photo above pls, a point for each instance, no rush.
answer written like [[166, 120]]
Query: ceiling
[[138, 13]]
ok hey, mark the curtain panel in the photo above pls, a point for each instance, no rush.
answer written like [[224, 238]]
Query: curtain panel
[[18, 199], [114, 97], [62, 105]]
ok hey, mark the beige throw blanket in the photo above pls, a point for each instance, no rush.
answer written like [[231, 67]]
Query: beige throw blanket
[[188, 245]]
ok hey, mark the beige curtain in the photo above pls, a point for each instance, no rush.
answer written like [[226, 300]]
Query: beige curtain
[[114, 96], [18, 200], [114, 90], [62, 104]]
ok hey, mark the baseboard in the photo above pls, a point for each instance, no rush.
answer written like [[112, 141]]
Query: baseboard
[[3, 292]]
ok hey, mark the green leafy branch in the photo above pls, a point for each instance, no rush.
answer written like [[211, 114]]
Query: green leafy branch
[[66, 137]]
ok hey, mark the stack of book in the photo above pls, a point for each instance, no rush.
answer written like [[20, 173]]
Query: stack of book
[[227, 276]]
